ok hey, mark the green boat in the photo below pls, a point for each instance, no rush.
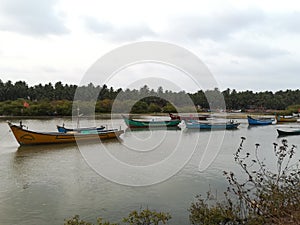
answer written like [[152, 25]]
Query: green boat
[[131, 123]]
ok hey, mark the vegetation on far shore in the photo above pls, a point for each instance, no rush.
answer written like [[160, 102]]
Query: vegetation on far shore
[[19, 99]]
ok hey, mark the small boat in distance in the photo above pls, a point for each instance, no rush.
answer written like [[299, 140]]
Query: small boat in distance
[[286, 119], [260, 121], [63, 129], [211, 126], [191, 117], [286, 133], [28, 137], [132, 123]]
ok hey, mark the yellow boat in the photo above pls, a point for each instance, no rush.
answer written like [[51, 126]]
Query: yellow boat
[[282, 119], [28, 137]]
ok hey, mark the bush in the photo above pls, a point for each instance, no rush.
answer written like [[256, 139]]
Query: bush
[[139, 107], [144, 217], [169, 108], [153, 108], [264, 197]]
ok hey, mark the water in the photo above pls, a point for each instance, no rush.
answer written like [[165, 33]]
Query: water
[[46, 184]]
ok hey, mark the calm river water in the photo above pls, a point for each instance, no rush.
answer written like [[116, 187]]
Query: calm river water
[[46, 184]]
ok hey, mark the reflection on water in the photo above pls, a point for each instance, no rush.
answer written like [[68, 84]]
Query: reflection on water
[[27, 149], [46, 184]]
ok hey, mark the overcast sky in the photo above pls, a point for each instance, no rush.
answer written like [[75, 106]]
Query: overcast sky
[[251, 45]]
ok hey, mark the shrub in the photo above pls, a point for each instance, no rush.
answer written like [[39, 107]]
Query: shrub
[[263, 197], [144, 217]]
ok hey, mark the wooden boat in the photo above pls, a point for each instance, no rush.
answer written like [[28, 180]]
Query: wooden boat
[[286, 133], [28, 137], [63, 129], [260, 121], [176, 128], [199, 117], [211, 126], [131, 123], [285, 119], [236, 111]]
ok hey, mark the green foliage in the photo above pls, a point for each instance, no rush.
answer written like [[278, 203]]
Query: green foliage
[[139, 107], [263, 197], [154, 108], [220, 213], [104, 106], [62, 107], [155, 100], [43, 108], [144, 217], [234, 100], [122, 106], [76, 221], [169, 108], [269, 194], [147, 100], [291, 109], [11, 108]]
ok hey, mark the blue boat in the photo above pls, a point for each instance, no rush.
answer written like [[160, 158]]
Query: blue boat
[[193, 124], [63, 129], [253, 121]]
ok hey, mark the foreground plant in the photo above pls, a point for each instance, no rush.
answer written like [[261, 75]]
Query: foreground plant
[[265, 196], [144, 217]]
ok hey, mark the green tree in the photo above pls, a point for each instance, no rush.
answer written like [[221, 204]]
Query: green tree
[[139, 107], [154, 108], [169, 108], [104, 106]]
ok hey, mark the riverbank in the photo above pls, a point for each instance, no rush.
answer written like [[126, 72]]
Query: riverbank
[[241, 115]]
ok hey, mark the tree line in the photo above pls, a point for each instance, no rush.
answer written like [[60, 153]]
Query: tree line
[[57, 99]]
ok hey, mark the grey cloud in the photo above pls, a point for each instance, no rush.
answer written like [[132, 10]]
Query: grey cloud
[[215, 26], [131, 33], [242, 33], [255, 50], [278, 25], [97, 26], [222, 26], [286, 22], [273, 74], [114, 33], [31, 17]]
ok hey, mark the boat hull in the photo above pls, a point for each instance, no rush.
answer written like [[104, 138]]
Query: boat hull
[[199, 117], [281, 119], [211, 126], [28, 137], [150, 124], [286, 133], [63, 129], [252, 121]]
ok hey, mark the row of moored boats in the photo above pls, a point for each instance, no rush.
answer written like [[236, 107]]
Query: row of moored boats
[[69, 135], [278, 119]]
